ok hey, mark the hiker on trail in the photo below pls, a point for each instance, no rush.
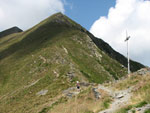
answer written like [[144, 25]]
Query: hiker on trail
[[78, 85]]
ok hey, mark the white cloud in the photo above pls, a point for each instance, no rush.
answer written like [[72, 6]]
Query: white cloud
[[26, 13], [131, 15]]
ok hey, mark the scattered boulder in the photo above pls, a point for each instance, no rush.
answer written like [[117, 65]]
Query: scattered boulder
[[143, 71], [66, 51], [70, 92], [69, 95], [42, 92], [42, 58], [56, 73], [119, 96], [96, 93], [71, 75]]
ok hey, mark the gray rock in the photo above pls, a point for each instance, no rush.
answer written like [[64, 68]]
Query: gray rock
[[120, 96], [42, 92], [69, 89], [143, 71], [96, 93], [69, 95], [71, 75], [84, 84], [70, 92]]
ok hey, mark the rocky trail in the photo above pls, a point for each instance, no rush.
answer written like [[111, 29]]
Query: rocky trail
[[120, 98], [141, 109]]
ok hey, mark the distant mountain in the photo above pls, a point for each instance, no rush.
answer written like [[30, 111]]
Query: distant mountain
[[38, 65], [10, 31]]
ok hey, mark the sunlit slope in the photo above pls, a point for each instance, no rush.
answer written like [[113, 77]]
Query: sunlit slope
[[53, 55]]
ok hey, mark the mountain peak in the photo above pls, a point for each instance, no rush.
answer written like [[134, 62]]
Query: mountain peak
[[42, 65], [59, 14], [9, 31], [60, 19]]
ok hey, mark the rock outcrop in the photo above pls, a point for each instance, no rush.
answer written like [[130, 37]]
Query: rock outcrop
[[143, 71]]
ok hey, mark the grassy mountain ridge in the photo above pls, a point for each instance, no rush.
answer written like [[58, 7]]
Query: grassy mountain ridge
[[134, 66], [10, 31], [50, 57]]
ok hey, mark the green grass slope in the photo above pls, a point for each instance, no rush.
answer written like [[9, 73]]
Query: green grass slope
[[51, 56]]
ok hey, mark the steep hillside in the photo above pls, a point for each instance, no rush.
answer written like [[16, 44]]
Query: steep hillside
[[10, 31], [37, 65], [134, 66]]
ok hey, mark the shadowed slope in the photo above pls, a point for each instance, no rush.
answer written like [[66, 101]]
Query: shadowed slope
[[134, 66], [10, 31]]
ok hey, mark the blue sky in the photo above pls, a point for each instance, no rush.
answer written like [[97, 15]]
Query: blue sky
[[85, 12], [109, 20]]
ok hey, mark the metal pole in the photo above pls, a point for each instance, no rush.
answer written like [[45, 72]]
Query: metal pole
[[128, 60]]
